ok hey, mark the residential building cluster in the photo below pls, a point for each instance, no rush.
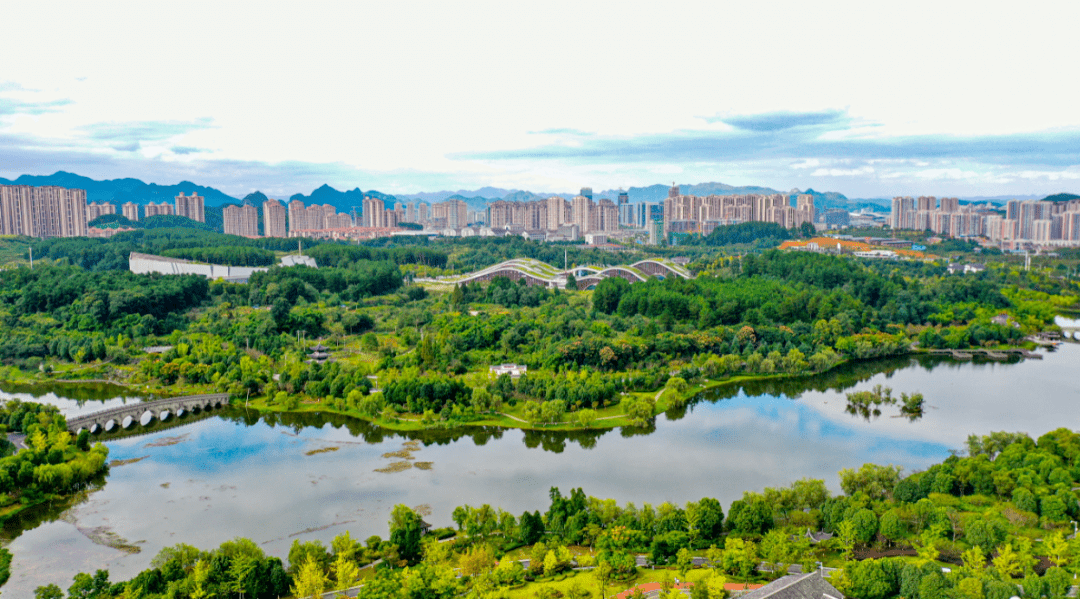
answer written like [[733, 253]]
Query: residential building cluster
[[1023, 223], [190, 206], [697, 214], [240, 220], [42, 211], [555, 216]]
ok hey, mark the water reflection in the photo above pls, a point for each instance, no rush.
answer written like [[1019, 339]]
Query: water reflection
[[236, 473]]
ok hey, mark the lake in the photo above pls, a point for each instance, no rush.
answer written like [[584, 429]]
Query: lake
[[237, 474]]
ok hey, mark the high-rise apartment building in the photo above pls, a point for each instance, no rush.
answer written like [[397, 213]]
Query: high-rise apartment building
[[903, 213], [556, 213], [374, 210], [241, 220], [274, 219], [423, 212], [42, 211], [131, 211], [454, 214], [190, 206], [339, 220], [581, 208], [94, 210], [162, 209], [950, 205], [315, 217], [297, 216]]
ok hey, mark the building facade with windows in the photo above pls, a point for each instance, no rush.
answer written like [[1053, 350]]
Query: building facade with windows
[[42, 211]]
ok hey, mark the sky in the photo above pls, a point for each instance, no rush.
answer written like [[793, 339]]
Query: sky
[[871, 99]]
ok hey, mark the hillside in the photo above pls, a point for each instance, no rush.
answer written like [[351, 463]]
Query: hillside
[[120, 191], [1061, 197]]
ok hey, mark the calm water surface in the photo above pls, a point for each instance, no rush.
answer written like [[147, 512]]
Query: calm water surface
[[235, 474]]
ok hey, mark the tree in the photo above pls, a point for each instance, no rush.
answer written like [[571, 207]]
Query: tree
[[587, 417], [778, 551], [869, 580], [1057, 548], [638, 411], [405, 532], [846, 535], [571, 282], [50, 591], [876, 481], [239, 571], [927, 546], [477, 560], [684, 561], [750, 515], [700, 590], [310, 581], [531, 528], [740, 557], [974, 562], [602, 573], [1007, 562], [345, 571], [891, 526], [866, 525], [83, 440], [551, 563], [85, 586]]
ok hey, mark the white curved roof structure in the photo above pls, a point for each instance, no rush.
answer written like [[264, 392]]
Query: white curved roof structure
[[535, 272]]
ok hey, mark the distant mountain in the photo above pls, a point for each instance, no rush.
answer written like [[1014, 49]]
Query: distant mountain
[[999, 199], [474, 203], [120, 191], [343, 200], [487, 193], [524, 196], [659, 192], [255, 198]]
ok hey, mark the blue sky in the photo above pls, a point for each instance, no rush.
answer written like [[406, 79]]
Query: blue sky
[[869, 99]]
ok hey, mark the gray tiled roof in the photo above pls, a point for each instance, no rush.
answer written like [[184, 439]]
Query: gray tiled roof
[[797, 586]]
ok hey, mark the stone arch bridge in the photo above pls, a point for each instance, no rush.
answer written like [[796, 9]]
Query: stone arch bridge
[[129, 415]]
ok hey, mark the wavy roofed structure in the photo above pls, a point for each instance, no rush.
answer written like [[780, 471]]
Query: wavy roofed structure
[[535, 272]]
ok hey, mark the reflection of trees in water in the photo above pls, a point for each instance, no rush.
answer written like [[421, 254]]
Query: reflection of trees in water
[[51, 511], [362, 429], [840, 378], [555, 441], [80, 393]]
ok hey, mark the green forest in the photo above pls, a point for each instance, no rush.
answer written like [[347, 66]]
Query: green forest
[[621, 353], [991, 524]]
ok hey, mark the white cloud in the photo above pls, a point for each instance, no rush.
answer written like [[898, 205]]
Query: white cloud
[[843, 172], [384, 89], [946, 173], [1070, 174]]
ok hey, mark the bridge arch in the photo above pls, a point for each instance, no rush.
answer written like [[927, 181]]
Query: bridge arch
[[145, 413]]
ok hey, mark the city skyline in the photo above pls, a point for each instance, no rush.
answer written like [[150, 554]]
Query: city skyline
[[967, 103]]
